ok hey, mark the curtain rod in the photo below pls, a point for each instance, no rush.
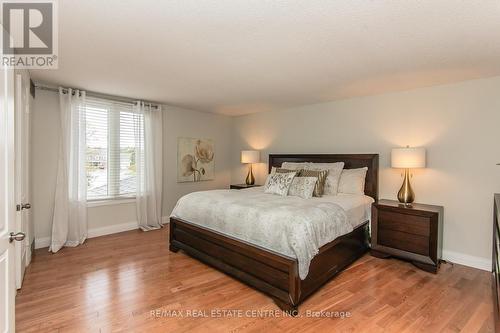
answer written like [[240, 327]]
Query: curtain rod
[[99, 95]]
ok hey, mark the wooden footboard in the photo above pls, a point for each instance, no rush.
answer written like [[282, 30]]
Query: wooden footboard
[[267, 271]]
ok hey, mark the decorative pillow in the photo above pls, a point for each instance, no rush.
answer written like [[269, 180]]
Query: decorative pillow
[[303, 187], [295, 165], [352, 181], [279, 170], [332, 180], [279, 183], [319, 187]]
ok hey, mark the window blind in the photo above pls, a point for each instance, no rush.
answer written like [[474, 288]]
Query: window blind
[[113, 130]]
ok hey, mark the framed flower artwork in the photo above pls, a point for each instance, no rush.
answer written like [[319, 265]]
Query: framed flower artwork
[[195, 160]]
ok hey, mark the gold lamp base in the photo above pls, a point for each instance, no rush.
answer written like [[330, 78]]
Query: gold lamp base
[[406, 194], [250, 178]]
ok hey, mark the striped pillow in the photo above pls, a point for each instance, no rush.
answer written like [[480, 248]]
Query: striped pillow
[[319, 188], [281, 170]]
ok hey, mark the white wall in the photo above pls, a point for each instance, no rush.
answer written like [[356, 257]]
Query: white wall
[[182, 123], [108, 218], [459, 124], [44, 149]]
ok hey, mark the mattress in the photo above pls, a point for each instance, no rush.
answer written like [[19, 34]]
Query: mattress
[[358, 207], [291, 226]]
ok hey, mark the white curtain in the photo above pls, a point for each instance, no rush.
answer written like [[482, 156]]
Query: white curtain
[[148, 135], [69, 224]]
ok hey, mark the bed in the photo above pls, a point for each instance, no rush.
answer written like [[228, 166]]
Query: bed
[[278, 273]]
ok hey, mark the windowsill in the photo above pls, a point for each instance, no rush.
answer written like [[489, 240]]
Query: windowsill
[[109, 202]]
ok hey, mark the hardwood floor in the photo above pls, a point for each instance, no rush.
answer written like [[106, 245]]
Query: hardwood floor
[[131, 282]]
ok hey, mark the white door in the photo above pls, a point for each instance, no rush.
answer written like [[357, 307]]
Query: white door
[[22, 143], [7, 201]]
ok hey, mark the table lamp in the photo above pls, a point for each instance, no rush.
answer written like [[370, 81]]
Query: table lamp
[[407, 158], [249, 157]]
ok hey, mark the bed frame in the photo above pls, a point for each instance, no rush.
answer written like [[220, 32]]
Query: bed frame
[[271, 272]]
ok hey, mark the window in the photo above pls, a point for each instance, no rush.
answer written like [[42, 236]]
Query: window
[[113, 132]]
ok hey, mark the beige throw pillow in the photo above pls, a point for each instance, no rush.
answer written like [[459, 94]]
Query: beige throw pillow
[[303, 187], [321, 176], [332, 180]]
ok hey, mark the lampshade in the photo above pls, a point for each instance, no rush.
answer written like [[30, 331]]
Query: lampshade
[[250, 156], [408, 158]]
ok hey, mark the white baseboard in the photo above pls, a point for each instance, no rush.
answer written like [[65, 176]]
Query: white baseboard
[[95, 232], [112, 229], [42, 242], [467, 260]]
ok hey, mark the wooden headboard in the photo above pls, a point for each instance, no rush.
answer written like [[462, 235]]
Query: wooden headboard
[[352, 161]]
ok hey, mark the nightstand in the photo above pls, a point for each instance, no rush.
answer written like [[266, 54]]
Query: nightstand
[[413, 233], [241, 186]]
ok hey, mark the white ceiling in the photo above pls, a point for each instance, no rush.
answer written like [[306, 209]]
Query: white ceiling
[[236, 57]]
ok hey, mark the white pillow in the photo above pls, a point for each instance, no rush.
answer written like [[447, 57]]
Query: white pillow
[[295, 165], [334, 171], [352, 181], [279, 183], [303, 187]]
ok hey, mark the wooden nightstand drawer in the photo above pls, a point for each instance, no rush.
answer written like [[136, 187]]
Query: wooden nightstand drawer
[[412, 224], [404, 241], [412, 232]]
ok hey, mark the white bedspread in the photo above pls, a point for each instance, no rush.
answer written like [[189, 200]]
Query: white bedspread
[[290, 225]]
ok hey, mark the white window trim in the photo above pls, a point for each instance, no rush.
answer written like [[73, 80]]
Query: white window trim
[[113, 181], [114, 197], [110, 202]]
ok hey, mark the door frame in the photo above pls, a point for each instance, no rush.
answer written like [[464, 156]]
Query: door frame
[[22, 172], [7, 199]]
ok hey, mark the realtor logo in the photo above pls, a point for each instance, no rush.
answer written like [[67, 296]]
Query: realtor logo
[[29, 37]]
